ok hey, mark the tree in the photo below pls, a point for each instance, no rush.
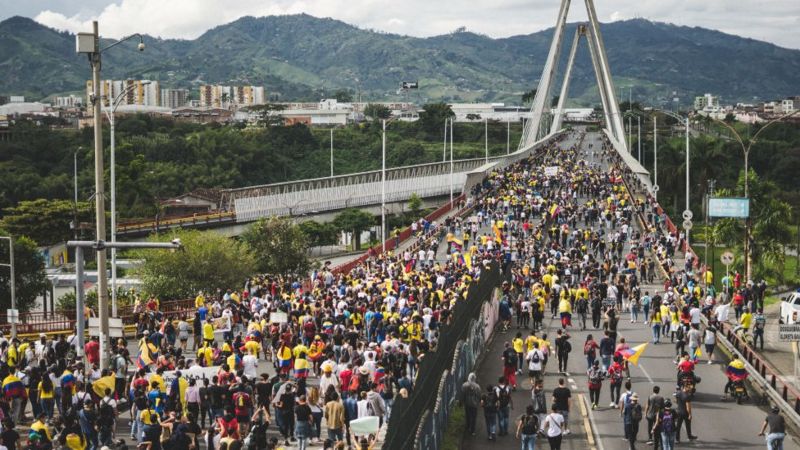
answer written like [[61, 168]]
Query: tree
[[45, 221], [376, 111], [432, 118], [343, 96], [206, 262], [29, 277], [415, 205], [473, 116], [279, 246], [354, 221], [269, 114], [319, 233], [528, 96]]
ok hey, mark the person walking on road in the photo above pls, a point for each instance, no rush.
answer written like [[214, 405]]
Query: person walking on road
[[710, 341], [590, 351], [539, 401], [504, 406], [535, 364], [562, 400], [606, 350], [527, 428], [777, 429], [595, 375], [553, 428], [615, 375], [471, 399], [563, 347], [654, 405], [631, 417], [509, 358], [489, 403], [665, 426], [683, 400]]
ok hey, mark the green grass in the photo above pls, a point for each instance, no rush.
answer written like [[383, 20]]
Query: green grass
[[455, 429], [771, 300]]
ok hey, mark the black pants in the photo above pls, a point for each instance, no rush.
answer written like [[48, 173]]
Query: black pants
[[650, 423], [555, 442], [562, 362], [471, 414], [616, 388], [596, 320], [683, 419], [631, 430], [756, 336], [594, 395]]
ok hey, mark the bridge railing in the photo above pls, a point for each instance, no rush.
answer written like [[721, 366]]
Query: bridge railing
[[176, 221]]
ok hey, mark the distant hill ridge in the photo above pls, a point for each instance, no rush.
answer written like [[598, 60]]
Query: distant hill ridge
[[306, 58]]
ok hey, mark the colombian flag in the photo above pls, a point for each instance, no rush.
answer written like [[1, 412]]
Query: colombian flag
[[107, 382], [498, 234], [67, 380], [468, 260], [457, 244], [13, 387], [554, 210], [300, 368], [285, 357], [632, 354], [146, 356], [736, 370]]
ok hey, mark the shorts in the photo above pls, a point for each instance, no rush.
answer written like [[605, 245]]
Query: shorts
[[243, 418], [710, 348], [565, 414], [535, 374]]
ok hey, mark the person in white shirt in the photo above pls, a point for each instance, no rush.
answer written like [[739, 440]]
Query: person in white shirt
[[535, 359], [553, 428], [250, 366]]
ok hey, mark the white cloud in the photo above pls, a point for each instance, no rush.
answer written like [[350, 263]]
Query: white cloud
[[190, 18]]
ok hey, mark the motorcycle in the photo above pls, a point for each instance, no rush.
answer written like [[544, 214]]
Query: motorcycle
[[739, 391], [688, 379]]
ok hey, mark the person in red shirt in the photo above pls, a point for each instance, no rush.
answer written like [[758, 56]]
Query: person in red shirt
[[93, 350], [738, 303], [615, 375], [685, 367], [344, 378]]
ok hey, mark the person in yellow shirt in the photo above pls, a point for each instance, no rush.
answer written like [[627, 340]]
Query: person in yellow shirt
[[529, 341], [208, 332], [518, 345], [41, 429], [746, 320], [206, 354], [200, 300], [46, 396], [159, 379], [565, 310]]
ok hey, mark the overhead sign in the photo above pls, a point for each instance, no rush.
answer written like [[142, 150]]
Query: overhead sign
[[726, 258], [409, 85], [12, 315], [114, 326], [789, 332], [551, 171], [729, 207]]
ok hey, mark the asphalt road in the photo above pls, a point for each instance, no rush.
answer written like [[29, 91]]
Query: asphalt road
[[718, 424]]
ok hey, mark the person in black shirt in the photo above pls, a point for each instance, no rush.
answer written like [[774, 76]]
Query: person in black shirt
[[303, 417], [683, 401], [263, 390], [9, 435], [777, 427], [561, 401], [216, 395], [204, 404], [285, 408]]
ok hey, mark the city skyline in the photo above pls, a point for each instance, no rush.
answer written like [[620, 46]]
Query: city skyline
[[776, 21]]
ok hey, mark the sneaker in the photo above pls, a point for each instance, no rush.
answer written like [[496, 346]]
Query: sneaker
[[649, 442], [709, 362], [594, 406], [692, 438], [612, 404]]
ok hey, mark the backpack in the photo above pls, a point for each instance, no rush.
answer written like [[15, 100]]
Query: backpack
[[106, 413], [667, 426], [566, 347], [504, 397], [536, 358], [530, 424], [512, 359], [588, 349], [636, 412]]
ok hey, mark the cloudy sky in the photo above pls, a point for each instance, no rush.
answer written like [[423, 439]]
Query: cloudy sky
[[776, 21]]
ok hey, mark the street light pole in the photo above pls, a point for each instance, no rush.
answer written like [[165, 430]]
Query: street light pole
[[451, 163], [639, 139], [12, 282], [331, 152], [75, 192], [383, 189], [100, 201], [688, 187], [486, 137], [508, 137], [444, 150], [655, 156]]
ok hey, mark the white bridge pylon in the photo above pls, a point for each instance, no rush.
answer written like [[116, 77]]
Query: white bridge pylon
[[537, 126]]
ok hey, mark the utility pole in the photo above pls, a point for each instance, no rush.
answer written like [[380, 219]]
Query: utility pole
[[331, 152], [688, 187], [451, 163], [508, 137], [75, 192], [639, 139], [444, 150], [12, 282], [100, 201], [710, 192], [486, 138], [655, 156], [383, 189]]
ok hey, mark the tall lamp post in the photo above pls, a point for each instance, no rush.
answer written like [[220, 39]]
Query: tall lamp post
[[687, 212], [113, 171], [12, 282], [89, 43], [746, 150]]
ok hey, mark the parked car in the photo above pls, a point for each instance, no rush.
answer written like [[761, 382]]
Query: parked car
[[790, 308]]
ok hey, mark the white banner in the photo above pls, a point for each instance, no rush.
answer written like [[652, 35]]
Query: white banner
[[551, 171], [365, 425], [196, 372]]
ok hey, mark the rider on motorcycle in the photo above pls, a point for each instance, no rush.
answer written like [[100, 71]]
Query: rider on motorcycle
[[685, 369], [735, 373]]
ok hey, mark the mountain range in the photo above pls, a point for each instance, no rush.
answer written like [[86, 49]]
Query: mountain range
[[300, 57]]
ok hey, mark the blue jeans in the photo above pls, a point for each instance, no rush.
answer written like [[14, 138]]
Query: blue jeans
[[605, 361], [589, 361], [502, 420], [656, 333], [491, 424], [47, 406], [775, 441], [667, 441], [528, 441]]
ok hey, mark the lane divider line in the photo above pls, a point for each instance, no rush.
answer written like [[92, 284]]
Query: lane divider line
[[594, 444]]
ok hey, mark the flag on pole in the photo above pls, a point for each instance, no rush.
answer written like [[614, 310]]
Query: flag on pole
[[697, 353], [107, 382], [632, 354]]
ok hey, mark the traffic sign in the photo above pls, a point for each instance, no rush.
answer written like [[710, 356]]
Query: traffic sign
[[12, 315], [789, 332], [729, 207], [726, 258], [687, 214], [687, 224], [655, 188], [114, 327]]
